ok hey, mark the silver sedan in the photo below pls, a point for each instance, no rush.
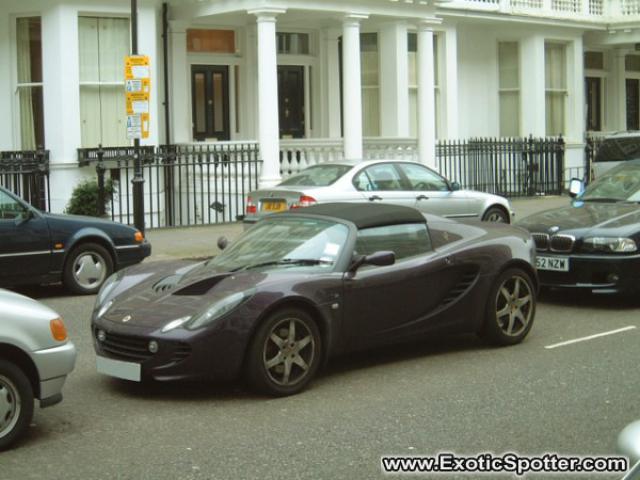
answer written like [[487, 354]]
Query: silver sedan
[[35, 359], [400, 182]]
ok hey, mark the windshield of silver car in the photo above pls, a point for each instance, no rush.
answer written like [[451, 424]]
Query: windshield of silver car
[[318, 176]]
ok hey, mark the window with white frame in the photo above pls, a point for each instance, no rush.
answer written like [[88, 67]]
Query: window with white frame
[[29, 86], [103, 45], [595, 74], [509, 88], [555, 69], [412, 48], [370, 84]]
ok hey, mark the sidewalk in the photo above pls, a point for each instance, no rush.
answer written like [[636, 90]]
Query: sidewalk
[[200, 242]]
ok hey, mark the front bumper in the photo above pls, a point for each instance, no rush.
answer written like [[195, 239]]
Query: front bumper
[[53, 365], [599, 273], [132, 254], [214, 353]]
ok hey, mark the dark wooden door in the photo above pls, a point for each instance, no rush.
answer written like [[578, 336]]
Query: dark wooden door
[[291, 101], [210, 101], [633, 104], [594, 102]]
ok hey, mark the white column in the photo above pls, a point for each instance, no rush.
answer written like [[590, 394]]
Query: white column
[[61, 79], [148, 24], [180, 87], [449, 87], [6, 120], [532, 86], [394, 80], [268, 127], [351, 87], [426, 97], [576, 123], [330, 99]]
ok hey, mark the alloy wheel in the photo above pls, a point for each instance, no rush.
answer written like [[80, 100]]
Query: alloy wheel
[[514, 305], [289, 351], [496, 217], [89, 270], [10, 406]]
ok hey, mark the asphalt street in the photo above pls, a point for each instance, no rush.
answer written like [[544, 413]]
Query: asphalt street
[[448, 394]]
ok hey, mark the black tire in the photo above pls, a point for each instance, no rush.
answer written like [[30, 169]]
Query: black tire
[[496, 215], [273, 380], [16, 403], [508, 319], [93, 253]]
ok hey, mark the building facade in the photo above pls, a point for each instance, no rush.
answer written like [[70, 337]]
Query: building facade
[[328, 78]]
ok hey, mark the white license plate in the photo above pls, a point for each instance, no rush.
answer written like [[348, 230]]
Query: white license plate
[[119, 369], [554, 264]]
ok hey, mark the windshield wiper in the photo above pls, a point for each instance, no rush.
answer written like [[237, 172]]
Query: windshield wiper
[[603, 199], [286, 262]]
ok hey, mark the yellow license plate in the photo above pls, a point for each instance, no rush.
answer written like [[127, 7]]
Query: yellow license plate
[[274, 206]]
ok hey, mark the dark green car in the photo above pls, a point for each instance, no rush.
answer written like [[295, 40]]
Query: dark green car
[[39, 248]]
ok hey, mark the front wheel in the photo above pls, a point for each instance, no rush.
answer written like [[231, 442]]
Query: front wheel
[[284, 354], [511, 308], [16, 403], [496, 215], [87, 267]]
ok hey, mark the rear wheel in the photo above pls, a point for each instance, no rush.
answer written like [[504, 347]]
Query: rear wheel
[[511, 308], [496, 215], [284, 354], [16, 403], [87, 267]]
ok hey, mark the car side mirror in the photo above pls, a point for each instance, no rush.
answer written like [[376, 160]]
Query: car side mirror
[[222, 242], [379, 259], [455, 186], [629, 442], [576, 186], [25, 217]]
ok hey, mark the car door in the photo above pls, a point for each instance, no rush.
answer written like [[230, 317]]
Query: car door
[[382, 304], [431, 193], [382, 182], [25, 249]]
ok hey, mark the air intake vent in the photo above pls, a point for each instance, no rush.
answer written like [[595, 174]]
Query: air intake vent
[[542, 241], [562, 243], [166, 284], [460, 288], [201, 287]]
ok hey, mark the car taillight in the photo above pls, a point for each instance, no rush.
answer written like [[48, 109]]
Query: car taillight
[[304, 201], [251, 207]]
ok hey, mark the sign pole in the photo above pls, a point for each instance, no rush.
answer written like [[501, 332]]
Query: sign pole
[[138, 178]]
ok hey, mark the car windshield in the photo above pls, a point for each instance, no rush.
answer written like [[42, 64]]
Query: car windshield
[[620, 184], [318, 175], [287, 243]]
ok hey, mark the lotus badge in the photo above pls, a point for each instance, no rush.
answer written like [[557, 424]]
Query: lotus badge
[[126, 319]]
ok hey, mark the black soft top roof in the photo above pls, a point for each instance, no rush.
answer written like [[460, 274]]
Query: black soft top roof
[[364, 215]]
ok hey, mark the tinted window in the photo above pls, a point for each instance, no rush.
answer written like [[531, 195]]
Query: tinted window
[[10, 209], [405, 241], [381, 177], [423, 179], [318, 176]]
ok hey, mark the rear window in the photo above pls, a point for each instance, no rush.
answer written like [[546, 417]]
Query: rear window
[[318, 176], [619, 149]]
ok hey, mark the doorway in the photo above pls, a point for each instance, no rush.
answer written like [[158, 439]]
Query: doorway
[[291, 101], [210, 102]]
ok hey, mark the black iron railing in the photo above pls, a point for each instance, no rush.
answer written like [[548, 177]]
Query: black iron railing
[[513, 167], [26, 173], [184, 184], [592, 144]]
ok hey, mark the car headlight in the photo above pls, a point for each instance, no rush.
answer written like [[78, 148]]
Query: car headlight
[[103, 309], [173, 324], [107, 287], [610, 244], [219, 309]]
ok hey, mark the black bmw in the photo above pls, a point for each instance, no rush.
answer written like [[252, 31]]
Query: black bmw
[[593, 243], [302, 286], [38, 247]]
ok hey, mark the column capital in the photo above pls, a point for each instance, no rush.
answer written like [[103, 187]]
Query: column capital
[[353, 18], [427, 24], [267, 14]]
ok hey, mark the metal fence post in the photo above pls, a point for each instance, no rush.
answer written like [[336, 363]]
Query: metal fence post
[[100, 172], [560, 145]]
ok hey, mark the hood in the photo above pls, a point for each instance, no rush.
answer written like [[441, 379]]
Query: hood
[[613, 219], [160, 292]]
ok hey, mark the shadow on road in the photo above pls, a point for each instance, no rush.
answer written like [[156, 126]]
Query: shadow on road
[[586, 299]]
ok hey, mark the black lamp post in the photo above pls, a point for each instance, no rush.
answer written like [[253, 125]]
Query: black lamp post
[[138, 179]]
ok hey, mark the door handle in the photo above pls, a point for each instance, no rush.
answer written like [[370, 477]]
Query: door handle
[[374, 197], [422, 197]]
